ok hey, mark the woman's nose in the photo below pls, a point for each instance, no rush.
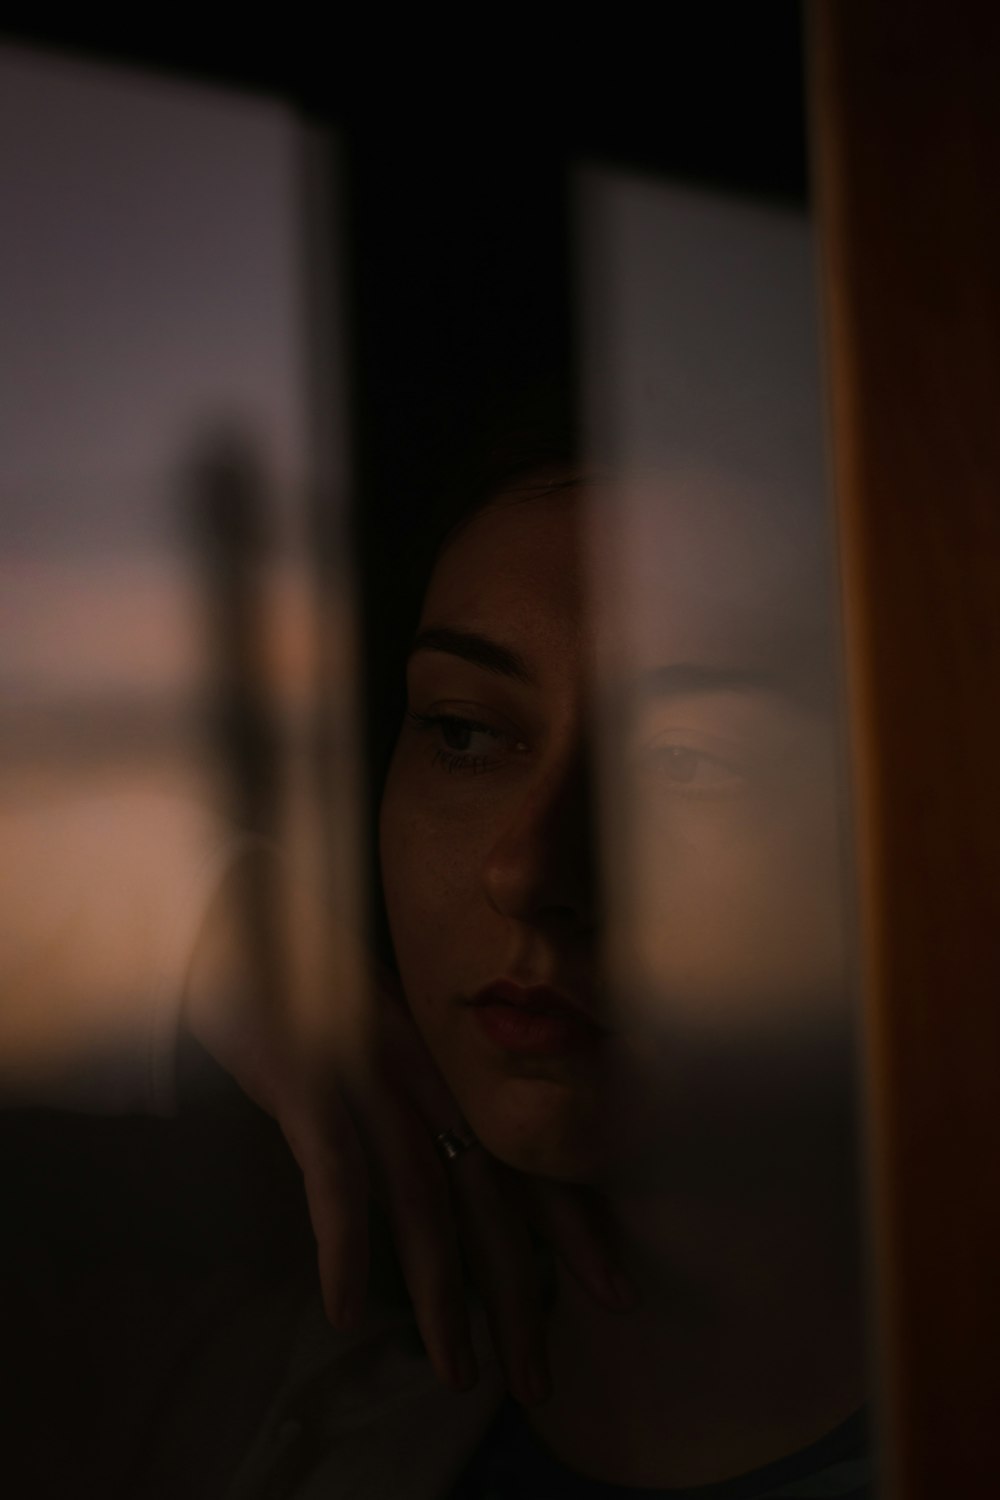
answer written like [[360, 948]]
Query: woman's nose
[[541, 867]]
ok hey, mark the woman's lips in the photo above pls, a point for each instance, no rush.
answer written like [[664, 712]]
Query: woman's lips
[[534, 1018]]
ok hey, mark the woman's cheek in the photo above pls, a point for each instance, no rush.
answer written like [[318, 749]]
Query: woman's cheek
[[425, 881], [411, 882]]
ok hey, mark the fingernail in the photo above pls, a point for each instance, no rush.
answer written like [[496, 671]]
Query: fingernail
[[347, 1314], [619, 1289], [539, 1386], [465, 1371]]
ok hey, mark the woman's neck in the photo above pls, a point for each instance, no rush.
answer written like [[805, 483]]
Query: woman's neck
[[748, 1342]]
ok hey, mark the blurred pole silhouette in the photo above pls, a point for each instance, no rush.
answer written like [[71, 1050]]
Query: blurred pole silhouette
[[229, 523]]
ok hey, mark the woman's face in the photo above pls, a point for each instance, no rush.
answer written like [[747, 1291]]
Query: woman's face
[[693, 681]]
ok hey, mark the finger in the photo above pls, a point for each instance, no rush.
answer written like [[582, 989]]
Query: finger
[[405, 1064], [574, 1227], [496, 1241], [326, 1146], [422, 1215], [495, 1234]]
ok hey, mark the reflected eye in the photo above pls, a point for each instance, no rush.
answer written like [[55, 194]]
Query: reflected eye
[[697, 771], [682, 764]]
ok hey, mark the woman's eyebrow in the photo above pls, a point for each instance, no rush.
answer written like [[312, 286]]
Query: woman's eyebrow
[[475, 648]]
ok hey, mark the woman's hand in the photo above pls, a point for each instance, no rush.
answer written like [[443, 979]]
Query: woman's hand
[[367, 1125]]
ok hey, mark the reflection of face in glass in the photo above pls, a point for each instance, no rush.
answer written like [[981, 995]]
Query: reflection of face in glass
[[706, 657]]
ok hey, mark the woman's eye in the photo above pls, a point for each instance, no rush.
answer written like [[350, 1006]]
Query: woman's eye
[[464, 744], [459, 734]]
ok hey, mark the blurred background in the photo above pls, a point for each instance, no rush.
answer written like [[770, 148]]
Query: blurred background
[[262, 308], [263, 300]]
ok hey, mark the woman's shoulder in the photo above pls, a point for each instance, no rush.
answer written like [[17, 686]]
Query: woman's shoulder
[[280, 1403]]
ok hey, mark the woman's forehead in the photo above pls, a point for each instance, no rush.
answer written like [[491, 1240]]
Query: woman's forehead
[[520, 556]]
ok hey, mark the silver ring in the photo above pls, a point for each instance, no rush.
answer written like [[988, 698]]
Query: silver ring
[[452, 1143]]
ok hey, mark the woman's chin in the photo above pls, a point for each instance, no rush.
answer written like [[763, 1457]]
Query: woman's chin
[[541, 1129]]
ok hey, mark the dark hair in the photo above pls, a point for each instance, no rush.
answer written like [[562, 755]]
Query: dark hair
[[508, 448], [504, 450]]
